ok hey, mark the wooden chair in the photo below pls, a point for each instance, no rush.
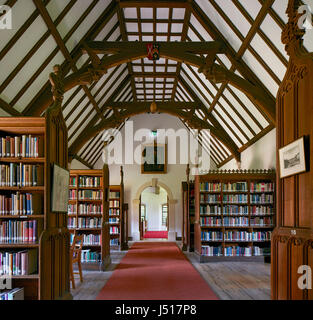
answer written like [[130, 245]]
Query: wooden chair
[[75, 254]]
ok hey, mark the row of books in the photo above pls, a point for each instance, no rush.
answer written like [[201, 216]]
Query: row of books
[[18, 263], [84, 223], [20, 204], [210, 198], [90, 256], [206, 186], [262, 187], [210, 221], [114, 194], [114, 230], [261, 221], [114, 242], [227, 221], [114, 212], [261, 198], [89, 222], [73, 182], [114, 220], [90, 239], [85, 181], [236, 210], [89, 208], [20, 175], [235, 236], [114, 203], [14, 294], [235, 187], [211, 236], [72, 195], [233, 251], [13, 231], [20, 146], [90, 194], [212, 251], [235, 198], [261, 210], [247, 236], [71, 208]]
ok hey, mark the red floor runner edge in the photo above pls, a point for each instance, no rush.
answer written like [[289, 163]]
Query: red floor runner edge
[[155, 235], [156, 271]]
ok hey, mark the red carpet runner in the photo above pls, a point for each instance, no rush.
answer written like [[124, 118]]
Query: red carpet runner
[[155, 271], [155, 235]]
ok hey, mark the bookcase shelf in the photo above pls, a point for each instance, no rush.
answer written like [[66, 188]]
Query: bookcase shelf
[[95, 181], [188, 198], [44, 141], [235, 214]]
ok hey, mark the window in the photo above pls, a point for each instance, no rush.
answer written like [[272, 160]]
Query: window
[[164, 214], [143, 212]]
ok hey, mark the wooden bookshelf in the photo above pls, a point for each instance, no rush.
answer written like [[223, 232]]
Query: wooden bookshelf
[[235, 215], [48, 275], [116, 215], [88, 215], [188, 198]]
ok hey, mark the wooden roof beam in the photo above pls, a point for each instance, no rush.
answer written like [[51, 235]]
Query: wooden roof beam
[[118, 118], [56, 35], [43, 99]]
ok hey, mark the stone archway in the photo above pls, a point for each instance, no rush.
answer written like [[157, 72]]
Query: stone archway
[[171, 210]]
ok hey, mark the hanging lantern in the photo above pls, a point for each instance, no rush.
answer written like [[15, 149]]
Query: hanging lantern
[[153, 107]]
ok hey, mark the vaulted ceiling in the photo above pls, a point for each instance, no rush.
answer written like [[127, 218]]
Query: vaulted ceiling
[[49, 32]]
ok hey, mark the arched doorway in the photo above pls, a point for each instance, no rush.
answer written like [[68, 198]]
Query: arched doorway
[[153, 215], [171, 207]]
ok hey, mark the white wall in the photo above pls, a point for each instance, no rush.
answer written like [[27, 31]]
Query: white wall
[[153, 204], [75, 164], [133, 179], [261, 155]]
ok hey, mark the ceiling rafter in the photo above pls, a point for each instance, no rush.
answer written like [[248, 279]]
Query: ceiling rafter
[[207, 114], [183, 39], [77, 143], [34, 49], [21, 31], [238, 64], [42, 67], [38, 103], [56, 35], [261, 33], [102, 109], [121, 19], [143, 107]]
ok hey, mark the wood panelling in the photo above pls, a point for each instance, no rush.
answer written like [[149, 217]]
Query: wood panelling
[[291, 243]]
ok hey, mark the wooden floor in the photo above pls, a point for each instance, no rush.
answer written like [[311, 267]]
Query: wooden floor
[[236, 280], [229, 280]]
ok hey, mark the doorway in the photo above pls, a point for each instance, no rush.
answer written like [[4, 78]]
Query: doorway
[[154, 213]]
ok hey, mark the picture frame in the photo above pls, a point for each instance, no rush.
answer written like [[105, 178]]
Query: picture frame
[[60, 189], [292, 158], [154, 159]]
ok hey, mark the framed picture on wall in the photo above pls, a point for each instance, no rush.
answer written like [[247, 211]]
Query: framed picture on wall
[[154, 159], [60, 189], [292, 158]]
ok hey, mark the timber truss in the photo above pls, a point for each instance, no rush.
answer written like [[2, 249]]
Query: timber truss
[[201, 77]]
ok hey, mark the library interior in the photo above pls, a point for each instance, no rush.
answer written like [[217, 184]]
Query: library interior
[[156, 150]]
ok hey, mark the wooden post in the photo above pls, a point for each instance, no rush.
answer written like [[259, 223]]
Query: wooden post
[[105, 248]]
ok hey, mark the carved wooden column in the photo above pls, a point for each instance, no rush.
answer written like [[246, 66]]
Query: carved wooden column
[[292, 239]]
